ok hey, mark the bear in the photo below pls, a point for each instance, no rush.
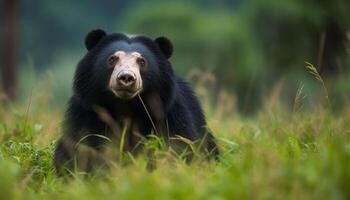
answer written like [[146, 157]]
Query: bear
[[128, 82]]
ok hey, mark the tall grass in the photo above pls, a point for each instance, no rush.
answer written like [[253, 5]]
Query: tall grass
[[276, 154]]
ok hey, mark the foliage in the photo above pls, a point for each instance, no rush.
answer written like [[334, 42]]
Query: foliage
[[248, 45]]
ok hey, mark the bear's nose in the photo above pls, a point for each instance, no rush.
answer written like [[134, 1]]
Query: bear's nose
[[126, 79]]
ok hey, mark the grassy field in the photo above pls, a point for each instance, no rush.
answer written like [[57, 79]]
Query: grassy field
[[275, 154]]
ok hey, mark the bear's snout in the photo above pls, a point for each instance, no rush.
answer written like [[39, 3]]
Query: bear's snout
[[126, 79], [125, 83]]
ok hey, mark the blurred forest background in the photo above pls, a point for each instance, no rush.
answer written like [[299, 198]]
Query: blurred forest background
[[245, 48]]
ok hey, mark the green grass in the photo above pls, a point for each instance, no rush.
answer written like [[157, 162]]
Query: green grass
[[273, 155]]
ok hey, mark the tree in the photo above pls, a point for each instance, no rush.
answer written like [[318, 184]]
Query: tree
[[9, 52]]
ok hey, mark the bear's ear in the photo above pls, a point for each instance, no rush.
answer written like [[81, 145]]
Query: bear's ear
[[165, 46], [93, 37]]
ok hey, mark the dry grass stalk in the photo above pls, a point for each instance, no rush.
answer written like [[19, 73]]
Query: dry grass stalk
[[312, 69]]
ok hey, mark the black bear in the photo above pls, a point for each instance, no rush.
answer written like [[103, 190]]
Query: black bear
[[128, 81]]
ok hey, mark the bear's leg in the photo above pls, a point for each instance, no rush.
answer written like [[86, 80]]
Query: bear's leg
[[63, 156], [70, 156], [211, 148]]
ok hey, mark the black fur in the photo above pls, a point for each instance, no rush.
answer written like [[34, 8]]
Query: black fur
[[93, 38], [165, 46], [169, 99]]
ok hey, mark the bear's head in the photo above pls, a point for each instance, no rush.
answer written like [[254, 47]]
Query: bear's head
[[124, 66]]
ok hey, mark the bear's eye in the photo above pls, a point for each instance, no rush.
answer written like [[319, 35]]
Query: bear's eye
[[112, 60], [141, 62]]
